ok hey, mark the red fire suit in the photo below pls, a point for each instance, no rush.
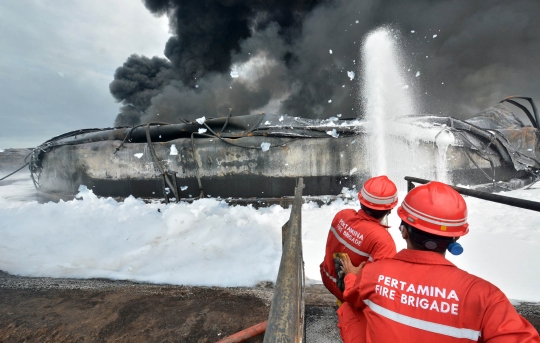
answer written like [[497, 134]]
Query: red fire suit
[[361, 236], [419, 296]]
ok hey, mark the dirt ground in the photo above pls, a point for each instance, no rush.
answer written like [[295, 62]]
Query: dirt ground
[[96, 310], [59, 310]]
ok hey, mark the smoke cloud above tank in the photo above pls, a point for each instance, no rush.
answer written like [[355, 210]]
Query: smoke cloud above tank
[[296, 57]]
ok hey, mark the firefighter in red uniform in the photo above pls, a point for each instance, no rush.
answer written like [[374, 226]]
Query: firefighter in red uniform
[[418, 295], [360, 234]]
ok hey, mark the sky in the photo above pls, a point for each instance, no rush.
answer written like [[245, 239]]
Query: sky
[[208, 243], [57, 58]]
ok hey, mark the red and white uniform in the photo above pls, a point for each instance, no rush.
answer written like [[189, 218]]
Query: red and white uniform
[[419, 296], [361, 236]]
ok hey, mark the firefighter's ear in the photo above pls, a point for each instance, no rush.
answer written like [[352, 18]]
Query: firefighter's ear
[[404, 232]]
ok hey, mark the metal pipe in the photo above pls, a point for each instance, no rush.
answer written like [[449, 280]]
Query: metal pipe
[[521, 203], [410, 185], [531, 102], [241, 336]]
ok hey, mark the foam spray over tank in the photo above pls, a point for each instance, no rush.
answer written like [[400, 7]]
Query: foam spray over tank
[[392, 148]]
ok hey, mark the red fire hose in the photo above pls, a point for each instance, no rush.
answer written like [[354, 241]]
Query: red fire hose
[[241, 336]]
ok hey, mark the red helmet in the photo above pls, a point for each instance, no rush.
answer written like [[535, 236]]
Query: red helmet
[[435, 208], [379, 193]]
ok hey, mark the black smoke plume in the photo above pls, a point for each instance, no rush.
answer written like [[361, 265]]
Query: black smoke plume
[[468, 54]]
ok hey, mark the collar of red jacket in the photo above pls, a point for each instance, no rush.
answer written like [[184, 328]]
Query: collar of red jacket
[[420, 256], [363, 215]]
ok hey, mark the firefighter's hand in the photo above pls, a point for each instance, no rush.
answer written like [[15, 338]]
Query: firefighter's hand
[[348, 267]]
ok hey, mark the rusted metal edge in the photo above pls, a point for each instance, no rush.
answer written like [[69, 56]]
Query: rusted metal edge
[[286, 318]]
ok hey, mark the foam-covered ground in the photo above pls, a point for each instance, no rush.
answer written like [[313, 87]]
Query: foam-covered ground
[[208, 243]]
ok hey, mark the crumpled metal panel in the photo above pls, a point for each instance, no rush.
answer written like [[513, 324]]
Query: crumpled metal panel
[[520, 141]]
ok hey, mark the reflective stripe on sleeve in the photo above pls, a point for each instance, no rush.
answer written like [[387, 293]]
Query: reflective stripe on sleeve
[[349, 246], [424, 325], [330, 276]]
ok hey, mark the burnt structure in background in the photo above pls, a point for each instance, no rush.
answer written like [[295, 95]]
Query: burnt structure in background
[[260, 156]]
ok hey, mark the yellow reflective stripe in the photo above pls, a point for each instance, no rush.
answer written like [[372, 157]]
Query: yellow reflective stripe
[[423, 324]]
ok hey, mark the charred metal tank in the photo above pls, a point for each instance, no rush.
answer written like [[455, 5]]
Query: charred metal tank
[[258, 155], [262, 155]]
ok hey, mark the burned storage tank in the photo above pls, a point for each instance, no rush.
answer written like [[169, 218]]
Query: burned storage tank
[[262, 155]]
